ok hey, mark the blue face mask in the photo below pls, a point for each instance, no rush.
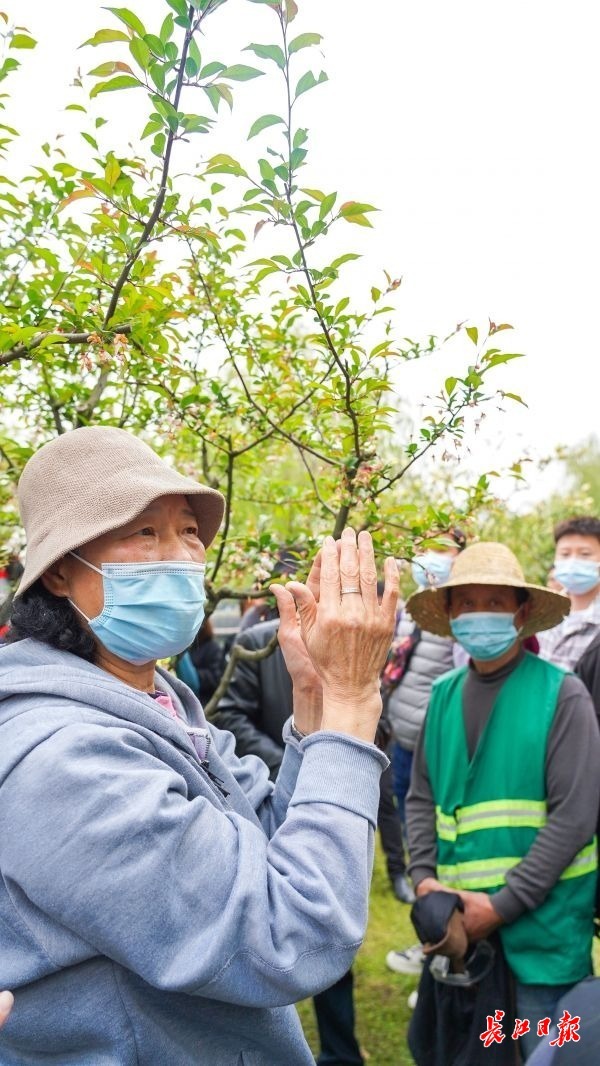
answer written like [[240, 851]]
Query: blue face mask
[[485, 635], [151, 610], [577, 575], [431, 569]]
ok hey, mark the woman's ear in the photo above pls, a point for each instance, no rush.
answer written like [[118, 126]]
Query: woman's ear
[[56, 578]]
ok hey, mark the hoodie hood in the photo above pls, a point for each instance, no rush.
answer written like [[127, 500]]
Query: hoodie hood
[[43, 689]]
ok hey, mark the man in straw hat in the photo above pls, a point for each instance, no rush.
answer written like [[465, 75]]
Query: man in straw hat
[[505, 785]]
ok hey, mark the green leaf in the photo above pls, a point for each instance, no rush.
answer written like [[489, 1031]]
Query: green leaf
[[352, 207], [75, 107], [262, 123], [473, 333], [124, 81], [513, 395], [194, 55], [166, 30], [104, 70], [225, 164], [315, 193], [210, 68], [155, 44], [158, 144], [106, 37], [450, 385], [305, 40], [357, 220], [166, 109], [503, 357], [268, 51], [224, 92], [129, 18], [344, 259], [151, 127], [308, 81], [22, 40], [90, 140], [112, 171], [326, 204], [213, 95], [140, 52], [266, 170], [239, 72], [180, 7]]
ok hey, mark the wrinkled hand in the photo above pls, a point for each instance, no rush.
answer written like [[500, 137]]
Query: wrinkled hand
[[297, 660], [347, 634], [6, 1005], [480, 917]]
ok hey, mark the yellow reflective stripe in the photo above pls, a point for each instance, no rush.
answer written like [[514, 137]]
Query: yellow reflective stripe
[[496, 814], [487, 873], [585, 862], [445, 825], [482, 873]]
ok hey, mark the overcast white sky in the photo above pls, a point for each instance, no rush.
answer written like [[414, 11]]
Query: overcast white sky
[[472, 126]]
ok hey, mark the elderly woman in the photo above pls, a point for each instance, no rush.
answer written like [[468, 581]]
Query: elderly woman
[[161, 902]]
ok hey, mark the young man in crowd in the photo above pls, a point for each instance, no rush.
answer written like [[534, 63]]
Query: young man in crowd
[[577, 569], [496, 811]]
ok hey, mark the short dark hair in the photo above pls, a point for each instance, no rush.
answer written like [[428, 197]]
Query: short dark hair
[[584, 525], [51, 619], [458, 537]]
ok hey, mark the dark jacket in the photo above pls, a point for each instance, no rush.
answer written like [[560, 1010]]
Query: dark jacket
[[258, 700], [588, 669], [209, 660]]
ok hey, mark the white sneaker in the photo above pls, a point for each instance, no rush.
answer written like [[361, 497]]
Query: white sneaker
[[408, 961], [412, 1000]]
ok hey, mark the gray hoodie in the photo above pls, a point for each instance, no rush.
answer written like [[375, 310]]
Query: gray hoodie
[[145, 917]]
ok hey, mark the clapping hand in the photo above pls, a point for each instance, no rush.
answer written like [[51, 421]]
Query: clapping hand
[[345, 631]]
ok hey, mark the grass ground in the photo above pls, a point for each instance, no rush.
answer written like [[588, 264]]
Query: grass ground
[[382, 1013]]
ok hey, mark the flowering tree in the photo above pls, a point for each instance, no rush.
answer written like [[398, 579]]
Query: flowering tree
[[135, 298]]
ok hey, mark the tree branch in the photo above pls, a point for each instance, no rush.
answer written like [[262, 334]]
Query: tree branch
[[21, 351], [238, 652], [162, 191]]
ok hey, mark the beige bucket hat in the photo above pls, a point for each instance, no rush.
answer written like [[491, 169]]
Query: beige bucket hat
[[91, 480], [487, 563]]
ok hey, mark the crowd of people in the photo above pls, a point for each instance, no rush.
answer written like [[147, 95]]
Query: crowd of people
[[170, 886]]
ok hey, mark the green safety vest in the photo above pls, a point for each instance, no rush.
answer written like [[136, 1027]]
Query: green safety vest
[[489, 811]]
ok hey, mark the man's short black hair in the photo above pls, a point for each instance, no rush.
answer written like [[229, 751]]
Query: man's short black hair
[[458, 537], [51, 619], [583, 525]]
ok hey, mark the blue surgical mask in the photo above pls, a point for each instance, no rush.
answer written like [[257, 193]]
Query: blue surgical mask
[[485, 635], [577, 575], [431, 569], [151, 610]]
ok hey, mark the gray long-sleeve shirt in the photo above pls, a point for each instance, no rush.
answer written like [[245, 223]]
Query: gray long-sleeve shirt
[[572, 786]]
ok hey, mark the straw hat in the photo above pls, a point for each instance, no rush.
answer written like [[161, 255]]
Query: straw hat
[[86, 482], [487, 563]]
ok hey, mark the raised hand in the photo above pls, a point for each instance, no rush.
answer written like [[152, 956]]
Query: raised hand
[[345, 631]]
